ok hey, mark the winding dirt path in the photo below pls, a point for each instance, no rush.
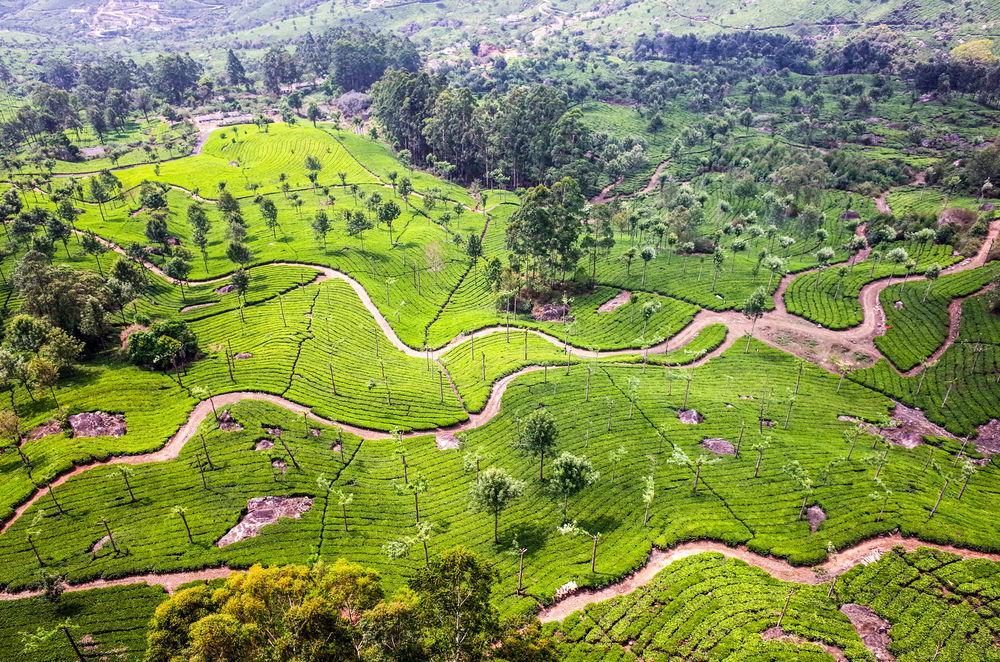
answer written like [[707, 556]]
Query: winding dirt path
[[865, 552], [838, 563]]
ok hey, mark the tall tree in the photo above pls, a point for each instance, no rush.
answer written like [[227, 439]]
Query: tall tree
[[538, 436], [493, 491]]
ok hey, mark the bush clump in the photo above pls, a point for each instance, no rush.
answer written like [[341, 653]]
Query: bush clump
[[167, 344]]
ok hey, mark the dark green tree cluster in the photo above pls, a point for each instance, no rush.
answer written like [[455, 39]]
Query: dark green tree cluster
[[526, 136], [339, 611], [354, 58], [166, 344]]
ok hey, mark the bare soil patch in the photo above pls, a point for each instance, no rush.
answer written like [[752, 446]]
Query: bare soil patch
[[963, 218], [127, 332], [262, 511], [690, 416], [98, 424], [872, 628], [615, 302], [718, 446]]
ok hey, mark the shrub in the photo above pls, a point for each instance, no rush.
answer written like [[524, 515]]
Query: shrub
[[166, 344]]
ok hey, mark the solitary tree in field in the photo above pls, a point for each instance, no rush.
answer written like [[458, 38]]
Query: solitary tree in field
[[313, 113], [181, 512], [798, 474], [269, 211], [647, 254], [387, 213], [344, 499], [753, 309], [239, 253], [44, 373], [178, 269], [717, 259], [570, 474], [93, 246], [538, 436], [320, 226], [313, 166], [932, 274], [896, 256], [397, 549], [628, 257], [572, 529], [10, 428], [681, 458], [493, 491], [760, 447], [648, 494], [357, 224], [416, 488], [881, 495], [240, 281], [405, 190]]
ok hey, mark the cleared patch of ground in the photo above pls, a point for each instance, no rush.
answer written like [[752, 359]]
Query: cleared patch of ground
[[615, 302]]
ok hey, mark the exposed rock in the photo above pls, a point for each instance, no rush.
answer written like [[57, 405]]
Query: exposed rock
[[99, 545], [615, 302], [227, 423], [850, 215], [551, 312], [225, 289], [98, 424], [263, 445], [447, 441], [872, 628], [988, 437], [566, 589], [690, 416], [43, 430], [315, 432], [816, 516], [280, 465], [243, 355], [718, 446], [779, 634], [767, 423], [262, 511], [273, 431], [910, 427]]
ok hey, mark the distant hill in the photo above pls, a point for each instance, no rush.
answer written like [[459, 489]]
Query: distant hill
[[502, 24]]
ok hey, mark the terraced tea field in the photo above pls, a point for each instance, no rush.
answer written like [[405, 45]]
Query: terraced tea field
[[369, 379]]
